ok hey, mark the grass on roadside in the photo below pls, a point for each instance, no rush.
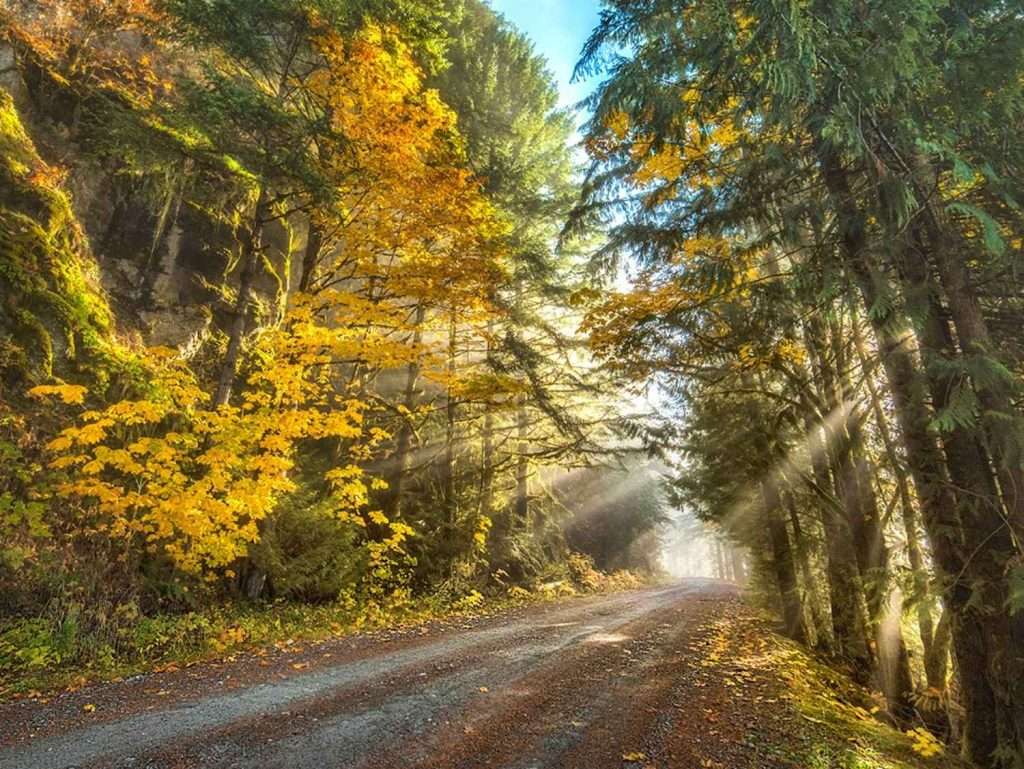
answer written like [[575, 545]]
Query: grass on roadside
[[38, 656], [837, 720]]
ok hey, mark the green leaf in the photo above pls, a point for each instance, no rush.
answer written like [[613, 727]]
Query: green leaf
[[963, 172], [961, 411]]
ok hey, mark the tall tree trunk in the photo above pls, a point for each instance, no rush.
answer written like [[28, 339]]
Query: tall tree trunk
[[522, 500], [860, 499], [485, 508], [310, 257], [884, 605], [993, 686], [934, 708], [251, 247], [721, 553], [894, 677], [846, 594], [822, 633], [739, 569], [1002, 422], [909, 513], [403, 442], [487, 464], [936, 662], [936, 680], [994, 717], [782, 562], [167, 219], [451, 405]]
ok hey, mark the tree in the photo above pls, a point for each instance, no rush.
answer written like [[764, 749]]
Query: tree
[[791, 129], [517, 400]]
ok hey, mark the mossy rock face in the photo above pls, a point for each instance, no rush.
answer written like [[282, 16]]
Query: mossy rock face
[[54, 320]]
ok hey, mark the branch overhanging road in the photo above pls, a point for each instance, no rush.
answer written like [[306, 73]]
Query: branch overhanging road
[[604, 681]]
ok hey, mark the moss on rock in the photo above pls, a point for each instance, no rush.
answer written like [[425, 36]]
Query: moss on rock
[[54, 319]]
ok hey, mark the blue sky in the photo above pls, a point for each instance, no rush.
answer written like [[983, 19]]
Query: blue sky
[[558, 28]]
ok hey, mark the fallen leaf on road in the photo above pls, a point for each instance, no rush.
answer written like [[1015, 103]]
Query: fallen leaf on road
[[88, 708], [634, 756], [484, 689]]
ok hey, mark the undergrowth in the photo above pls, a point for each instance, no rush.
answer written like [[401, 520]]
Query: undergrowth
[[840, 724], [39, 655]]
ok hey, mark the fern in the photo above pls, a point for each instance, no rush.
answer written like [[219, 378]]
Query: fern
[[960, 412], [990, 229]]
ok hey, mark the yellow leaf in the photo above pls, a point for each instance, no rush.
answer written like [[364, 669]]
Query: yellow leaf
[[89, 708], [73, 394], [60, 443], [618, 123]]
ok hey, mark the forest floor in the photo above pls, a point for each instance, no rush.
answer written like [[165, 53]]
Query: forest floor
[[686, 676]]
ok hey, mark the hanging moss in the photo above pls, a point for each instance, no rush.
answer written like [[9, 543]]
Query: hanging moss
[[53, 317]]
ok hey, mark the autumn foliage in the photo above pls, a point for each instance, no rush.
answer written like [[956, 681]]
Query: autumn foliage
[[308, 335]]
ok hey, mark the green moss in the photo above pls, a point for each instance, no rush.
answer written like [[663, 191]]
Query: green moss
[[16, 150], [839, 723], [52, 310]]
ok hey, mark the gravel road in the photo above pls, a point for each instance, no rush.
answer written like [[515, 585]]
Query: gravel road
[[588, 683]]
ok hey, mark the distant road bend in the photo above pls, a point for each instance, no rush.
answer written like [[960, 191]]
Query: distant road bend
[[596, 682]]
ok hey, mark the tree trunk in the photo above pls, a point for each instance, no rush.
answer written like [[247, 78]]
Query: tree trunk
[[884, 606], [522, 501], [739, 569], [985, 638], [858, 491], [450, 502], [167, 219], [1002, 420], [846, 594], [487, 464], [782, 562], [934, 708], [894, 678], [909, 513], [249, 259], [822, 633], [310, 257], [936, 662], [392, 507], [993, 686]]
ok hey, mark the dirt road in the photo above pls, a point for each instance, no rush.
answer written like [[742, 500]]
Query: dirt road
[[607, 681]]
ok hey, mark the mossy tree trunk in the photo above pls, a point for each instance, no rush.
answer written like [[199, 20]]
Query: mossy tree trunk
[[252, 245]]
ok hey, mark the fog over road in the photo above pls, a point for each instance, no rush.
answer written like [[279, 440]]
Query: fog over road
[[583, 683]]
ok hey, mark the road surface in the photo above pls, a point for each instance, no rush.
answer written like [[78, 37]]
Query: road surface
[[605, 681]]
